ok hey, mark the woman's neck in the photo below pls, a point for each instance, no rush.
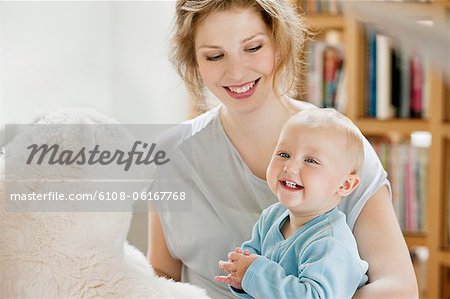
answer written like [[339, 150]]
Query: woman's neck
[[269, 117], [254, 134]]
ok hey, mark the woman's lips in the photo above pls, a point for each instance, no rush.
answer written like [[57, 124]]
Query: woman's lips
[[243, 91]]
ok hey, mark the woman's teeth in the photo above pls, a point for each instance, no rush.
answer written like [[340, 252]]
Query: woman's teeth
[[242, 89]]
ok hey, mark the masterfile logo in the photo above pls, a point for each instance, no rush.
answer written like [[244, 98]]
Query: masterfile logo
[[95, 156]]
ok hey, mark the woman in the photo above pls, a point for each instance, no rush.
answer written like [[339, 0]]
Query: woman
[[246, 53]]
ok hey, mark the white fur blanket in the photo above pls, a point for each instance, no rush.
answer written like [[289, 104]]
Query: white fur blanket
[[75, 255]]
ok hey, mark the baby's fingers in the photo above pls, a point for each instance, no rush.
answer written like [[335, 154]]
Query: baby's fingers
[[223, 279], [239, 250], [234, 256], [229, 279], [228, 267]]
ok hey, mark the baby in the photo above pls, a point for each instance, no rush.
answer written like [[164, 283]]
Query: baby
[[302, 247]]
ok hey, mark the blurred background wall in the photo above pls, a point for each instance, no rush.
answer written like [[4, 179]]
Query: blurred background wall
[[109, 56]]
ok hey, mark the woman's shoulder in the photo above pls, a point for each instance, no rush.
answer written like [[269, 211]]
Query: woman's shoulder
[[182, 133], [203, 120]]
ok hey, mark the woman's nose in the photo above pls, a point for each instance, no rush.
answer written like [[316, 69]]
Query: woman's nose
[[236, 68]]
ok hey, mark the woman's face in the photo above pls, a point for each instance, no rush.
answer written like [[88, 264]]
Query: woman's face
[[236, 58]]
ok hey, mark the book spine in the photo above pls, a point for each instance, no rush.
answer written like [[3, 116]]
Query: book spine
[[408, 193], [405, 85], [333, 7], [396, 81], [426, 89], [416, 86], [372, 73], [384, 77], [331, 66], [341, 94]]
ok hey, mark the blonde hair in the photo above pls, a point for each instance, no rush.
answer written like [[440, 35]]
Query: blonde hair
[[281, 16], [330, 118]]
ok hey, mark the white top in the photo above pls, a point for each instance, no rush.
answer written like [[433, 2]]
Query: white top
[[227, 200]]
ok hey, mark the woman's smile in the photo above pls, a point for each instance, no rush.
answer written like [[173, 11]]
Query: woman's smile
[[242, 91]]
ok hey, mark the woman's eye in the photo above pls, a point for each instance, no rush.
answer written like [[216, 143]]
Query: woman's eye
[[311, 160], [284, 155], [214, 58], [254, 49]]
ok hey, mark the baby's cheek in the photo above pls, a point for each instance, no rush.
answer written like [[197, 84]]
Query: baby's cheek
[[271, 177]]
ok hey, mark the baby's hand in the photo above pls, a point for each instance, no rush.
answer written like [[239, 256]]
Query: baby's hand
[[241, 262], [236, 266], [230, 280], [239, 250]]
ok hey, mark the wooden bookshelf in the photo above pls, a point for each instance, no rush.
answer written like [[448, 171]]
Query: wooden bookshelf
[[445, 258], [446, 206], [435, 276], [401, 126], [325, 22], [415, 239], [445, 288]]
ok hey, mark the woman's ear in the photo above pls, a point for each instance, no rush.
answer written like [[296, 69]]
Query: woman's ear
[[350, 183]]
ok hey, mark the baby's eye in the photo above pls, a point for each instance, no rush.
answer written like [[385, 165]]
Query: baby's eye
[[214, 57], [311, 160], [254, 49], [284, 155]]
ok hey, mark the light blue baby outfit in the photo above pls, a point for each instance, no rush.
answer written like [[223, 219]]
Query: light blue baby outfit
[[319, 260]]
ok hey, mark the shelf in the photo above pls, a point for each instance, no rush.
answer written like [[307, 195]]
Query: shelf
[[325, 22], [407, 126], [445, 258], [443, 4], [415, 239]]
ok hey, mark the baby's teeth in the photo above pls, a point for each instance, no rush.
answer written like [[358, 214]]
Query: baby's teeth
[[291, 184]]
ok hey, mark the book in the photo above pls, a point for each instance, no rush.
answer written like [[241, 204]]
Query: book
[[326, 74], [371, 89], [332, 64], [341, 93], [396, 80], [384, 77], [315, 68], [416, 86], [407, 166], [405, 99]]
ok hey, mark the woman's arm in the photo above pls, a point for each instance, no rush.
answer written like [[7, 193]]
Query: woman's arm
[[158, 254], [381, 244]]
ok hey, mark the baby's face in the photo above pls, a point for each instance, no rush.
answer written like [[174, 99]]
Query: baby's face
[[308, 168]]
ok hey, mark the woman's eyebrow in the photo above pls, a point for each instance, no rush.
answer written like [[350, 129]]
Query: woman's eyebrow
[[243, 41], [208, 47], [252, 37]]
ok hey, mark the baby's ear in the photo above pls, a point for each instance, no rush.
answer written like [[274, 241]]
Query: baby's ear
[[350, 183]]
